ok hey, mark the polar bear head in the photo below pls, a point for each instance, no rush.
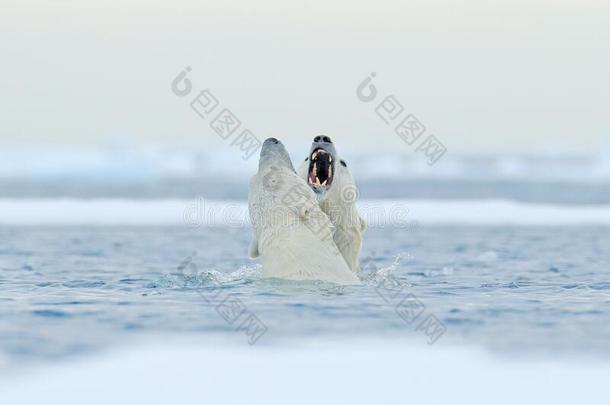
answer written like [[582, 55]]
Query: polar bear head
[[328, 176], [274, 163]]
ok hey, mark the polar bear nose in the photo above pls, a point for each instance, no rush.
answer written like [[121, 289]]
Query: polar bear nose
[[323, 139]]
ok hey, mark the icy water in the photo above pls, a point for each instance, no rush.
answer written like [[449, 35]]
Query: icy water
[[65, 291]]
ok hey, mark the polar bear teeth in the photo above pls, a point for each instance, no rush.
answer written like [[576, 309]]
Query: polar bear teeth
[[321, 168]]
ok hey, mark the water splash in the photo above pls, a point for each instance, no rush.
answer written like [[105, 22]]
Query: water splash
[[371, 275], [207, 278]]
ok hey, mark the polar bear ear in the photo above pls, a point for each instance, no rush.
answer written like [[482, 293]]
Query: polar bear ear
[[253, 250], [362, 225]]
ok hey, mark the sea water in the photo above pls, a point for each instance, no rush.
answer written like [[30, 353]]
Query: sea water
[[73, 290]]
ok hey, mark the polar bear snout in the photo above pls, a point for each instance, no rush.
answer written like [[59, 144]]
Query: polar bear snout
[[274, 152]]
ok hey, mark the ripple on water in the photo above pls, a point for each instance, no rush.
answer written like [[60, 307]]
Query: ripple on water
[[45, 284], [571, 286], [83, 284], [132, 280], [50, 313]]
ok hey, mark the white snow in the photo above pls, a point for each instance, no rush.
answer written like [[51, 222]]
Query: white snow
[[353, 372], [377, 213]]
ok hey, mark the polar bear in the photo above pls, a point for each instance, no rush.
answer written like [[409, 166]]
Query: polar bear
[[291, 234], [328, 176]]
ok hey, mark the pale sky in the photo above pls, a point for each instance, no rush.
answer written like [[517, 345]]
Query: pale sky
[[482, 76]]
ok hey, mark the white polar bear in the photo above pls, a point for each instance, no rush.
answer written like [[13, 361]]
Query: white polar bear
[[328, 176], [292, 235]]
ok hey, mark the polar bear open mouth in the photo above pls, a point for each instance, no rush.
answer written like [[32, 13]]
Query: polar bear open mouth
[[321, 169]]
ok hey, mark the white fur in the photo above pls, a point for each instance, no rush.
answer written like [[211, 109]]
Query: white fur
[[339, 203], [293, 238]]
